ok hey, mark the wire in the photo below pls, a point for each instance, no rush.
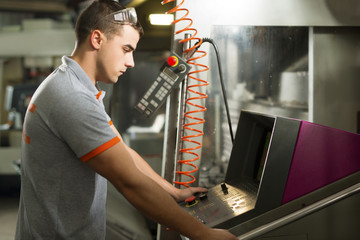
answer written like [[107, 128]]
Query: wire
[[191, 120], [187, 28], [209, 40]]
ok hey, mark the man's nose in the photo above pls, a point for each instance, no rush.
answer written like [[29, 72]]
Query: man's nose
[[130, 61]]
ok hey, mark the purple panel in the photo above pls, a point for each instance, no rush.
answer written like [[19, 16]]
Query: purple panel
[[322, 155]]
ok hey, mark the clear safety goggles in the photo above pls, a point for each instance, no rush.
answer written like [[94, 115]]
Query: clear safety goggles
[[126, 16]]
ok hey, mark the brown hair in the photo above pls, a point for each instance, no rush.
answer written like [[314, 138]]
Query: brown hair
[[93, 17]]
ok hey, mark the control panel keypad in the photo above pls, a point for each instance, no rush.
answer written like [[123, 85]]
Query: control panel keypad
[[172, 72]]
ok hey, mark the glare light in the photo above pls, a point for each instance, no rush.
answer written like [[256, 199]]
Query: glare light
[[161, 19]]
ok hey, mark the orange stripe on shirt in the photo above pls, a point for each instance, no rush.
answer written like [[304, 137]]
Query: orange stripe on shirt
[[32, 107], [98, 95], [111, 123], [26, 138], [100, 149]]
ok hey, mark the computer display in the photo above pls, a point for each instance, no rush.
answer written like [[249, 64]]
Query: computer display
[[17, 97], [248, 156]]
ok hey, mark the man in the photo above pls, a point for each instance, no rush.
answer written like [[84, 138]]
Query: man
[[71, 147]]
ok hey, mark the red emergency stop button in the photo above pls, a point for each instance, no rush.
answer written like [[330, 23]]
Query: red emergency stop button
[[172, 61], [190, 201]]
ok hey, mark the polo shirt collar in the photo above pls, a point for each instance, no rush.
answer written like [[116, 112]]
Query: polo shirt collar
[[82, 76]]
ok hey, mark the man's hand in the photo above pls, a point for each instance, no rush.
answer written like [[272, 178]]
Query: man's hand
[[183, 194]]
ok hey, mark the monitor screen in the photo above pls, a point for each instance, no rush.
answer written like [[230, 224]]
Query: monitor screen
[[249, 152], [262, 153], [17, 98]]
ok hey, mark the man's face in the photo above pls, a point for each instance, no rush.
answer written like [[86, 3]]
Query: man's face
[[116, 55]]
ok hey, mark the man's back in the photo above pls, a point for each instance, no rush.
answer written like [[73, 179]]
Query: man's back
[[61, 196]]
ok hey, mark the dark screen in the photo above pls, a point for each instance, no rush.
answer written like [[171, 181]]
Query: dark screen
[[21, 96], [262, 153], [248, 156]]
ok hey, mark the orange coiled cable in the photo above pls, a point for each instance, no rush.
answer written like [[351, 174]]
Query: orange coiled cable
[[190, 119]]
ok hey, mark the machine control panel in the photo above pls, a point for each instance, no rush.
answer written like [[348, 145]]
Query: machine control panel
[[219, 204], [171, 74]]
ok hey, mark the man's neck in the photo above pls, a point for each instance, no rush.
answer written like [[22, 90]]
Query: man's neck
[[86, 61]]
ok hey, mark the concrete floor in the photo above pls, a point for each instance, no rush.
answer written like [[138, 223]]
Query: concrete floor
[[8, 216]]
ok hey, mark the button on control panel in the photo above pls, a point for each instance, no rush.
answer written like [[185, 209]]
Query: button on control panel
[[191, 201], [221, 203], [171, 74]]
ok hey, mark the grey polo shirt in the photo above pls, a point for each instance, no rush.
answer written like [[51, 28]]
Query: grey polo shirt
[[65, 125]]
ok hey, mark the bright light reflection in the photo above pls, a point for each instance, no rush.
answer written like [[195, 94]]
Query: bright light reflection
[[161, 19]]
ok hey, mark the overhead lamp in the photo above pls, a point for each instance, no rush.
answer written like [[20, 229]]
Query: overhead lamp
[[161, 19]]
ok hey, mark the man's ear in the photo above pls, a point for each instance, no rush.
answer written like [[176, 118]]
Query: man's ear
[[96, 38]]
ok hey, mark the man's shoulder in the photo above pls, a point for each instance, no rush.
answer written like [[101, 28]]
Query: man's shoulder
[[62, 81]]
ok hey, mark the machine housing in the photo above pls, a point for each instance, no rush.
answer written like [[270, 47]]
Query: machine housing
[[275, 161]]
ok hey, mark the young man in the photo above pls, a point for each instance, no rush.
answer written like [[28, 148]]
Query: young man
[[71, 147]]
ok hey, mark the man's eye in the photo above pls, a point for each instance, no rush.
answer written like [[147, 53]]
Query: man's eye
[[127, 49]]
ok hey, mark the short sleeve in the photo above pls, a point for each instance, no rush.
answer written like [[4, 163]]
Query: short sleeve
[[81, 122]]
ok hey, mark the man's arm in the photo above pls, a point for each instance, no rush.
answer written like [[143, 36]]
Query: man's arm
[[176, 193], [117, 165]]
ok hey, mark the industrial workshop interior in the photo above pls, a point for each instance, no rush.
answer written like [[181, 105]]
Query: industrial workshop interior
[[257, 101]]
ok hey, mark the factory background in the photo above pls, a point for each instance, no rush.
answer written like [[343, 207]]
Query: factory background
[[291, 58]]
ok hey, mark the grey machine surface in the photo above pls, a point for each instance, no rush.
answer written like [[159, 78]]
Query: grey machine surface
[[286, 172]]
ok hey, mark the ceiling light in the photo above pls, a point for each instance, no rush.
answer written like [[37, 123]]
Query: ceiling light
[[161, 19]]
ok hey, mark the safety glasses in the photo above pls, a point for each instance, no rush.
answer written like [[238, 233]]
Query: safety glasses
[[125, 16]]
